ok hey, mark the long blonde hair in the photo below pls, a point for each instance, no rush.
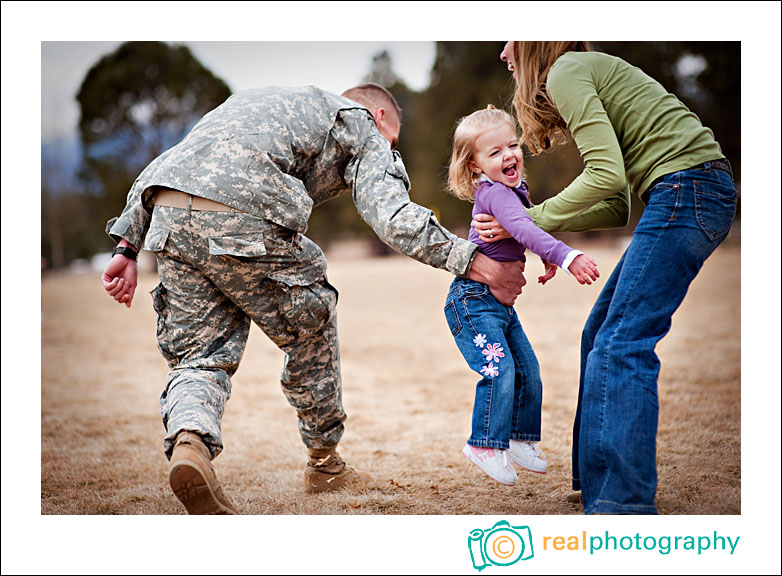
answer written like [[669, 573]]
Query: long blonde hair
[[461, 179], [541, 124]]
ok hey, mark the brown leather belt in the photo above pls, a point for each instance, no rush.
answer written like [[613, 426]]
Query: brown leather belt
[[177, 199]]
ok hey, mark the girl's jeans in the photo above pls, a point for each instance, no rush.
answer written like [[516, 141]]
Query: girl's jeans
[[489, 335], [688, 214]]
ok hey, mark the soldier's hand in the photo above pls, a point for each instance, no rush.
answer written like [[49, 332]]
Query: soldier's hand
[[504, 279], [120, 278], [508, 282]]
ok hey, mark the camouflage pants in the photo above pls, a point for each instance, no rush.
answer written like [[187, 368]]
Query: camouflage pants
[[218, 272]]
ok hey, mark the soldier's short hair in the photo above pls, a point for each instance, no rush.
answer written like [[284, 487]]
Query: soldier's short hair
[[373, 95]]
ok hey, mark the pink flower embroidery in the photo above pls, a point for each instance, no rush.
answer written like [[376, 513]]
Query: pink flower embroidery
[[494, 352], [491, 370]]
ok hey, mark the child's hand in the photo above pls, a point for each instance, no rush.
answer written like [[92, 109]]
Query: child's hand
[[584, 269], [551, 269]]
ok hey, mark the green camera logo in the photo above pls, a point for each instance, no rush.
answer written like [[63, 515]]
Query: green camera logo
[[501, 545]]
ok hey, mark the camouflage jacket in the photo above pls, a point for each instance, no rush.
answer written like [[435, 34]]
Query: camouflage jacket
[[277, 152]]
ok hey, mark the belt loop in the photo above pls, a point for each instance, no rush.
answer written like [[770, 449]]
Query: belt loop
[[189, 204]]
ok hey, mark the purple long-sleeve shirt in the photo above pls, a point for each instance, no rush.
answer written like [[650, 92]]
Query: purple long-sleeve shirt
[[507, 205]]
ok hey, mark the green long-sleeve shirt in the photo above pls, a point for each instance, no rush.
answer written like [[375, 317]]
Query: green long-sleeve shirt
[[629, 131]]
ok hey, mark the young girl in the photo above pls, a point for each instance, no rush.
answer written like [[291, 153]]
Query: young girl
[[487, 169]]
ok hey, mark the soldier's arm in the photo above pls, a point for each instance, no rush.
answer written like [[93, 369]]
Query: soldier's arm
[[380, 188], [120, 276], [380, 185]]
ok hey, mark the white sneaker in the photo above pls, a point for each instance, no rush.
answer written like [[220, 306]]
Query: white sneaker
[[528, 456], [493, 461]]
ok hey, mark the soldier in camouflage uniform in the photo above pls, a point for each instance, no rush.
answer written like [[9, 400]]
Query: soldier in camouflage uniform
[[225, 211]]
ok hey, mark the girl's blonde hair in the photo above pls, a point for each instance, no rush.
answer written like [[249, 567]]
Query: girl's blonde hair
[[541, 124], [461, 178]]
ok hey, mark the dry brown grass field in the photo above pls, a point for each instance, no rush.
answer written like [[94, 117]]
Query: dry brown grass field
[[407, 392]]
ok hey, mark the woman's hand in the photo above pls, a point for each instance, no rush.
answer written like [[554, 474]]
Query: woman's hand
[[489, 229]]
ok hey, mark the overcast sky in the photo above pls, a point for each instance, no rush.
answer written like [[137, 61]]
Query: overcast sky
[[334, 66]]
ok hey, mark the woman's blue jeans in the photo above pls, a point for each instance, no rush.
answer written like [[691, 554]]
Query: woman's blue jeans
[[490, 337], [688, 214]]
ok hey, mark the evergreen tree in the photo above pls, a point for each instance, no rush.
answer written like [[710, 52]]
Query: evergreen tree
[[136, 103]]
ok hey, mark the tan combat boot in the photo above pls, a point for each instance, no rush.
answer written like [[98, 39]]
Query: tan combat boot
[[193, 478], [326, 471]]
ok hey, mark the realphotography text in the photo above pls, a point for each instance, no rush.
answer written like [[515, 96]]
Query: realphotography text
[[661, 544]]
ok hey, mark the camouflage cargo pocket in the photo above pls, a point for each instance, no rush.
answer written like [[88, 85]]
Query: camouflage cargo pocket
[[156, 239], [165, 341], [298, 261], [308, 308], [159, 231], [238, 245]]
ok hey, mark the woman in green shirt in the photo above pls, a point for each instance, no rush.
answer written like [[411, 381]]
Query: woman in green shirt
[[634, 137]]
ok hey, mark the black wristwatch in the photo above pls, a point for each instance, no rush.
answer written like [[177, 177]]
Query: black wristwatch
[[126, 251]]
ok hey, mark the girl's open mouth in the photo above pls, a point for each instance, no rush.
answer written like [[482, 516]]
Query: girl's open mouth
[[511, 172]]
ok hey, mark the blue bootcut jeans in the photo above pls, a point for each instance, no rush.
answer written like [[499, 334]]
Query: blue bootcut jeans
[[687, 215], [490, 337]]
